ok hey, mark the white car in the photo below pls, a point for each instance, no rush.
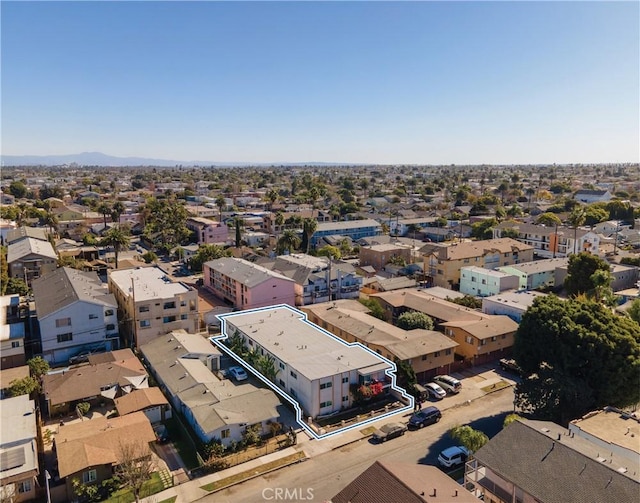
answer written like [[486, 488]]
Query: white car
[[453, 456], [435, 391], [238, 373]]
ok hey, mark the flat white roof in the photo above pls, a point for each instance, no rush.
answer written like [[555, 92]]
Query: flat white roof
[[521, 299], [305, 347], [486, 272], [149, 282]]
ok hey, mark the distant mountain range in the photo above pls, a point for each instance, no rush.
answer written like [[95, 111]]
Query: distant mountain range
[[100, 159]]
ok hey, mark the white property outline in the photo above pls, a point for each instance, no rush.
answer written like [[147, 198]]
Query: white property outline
[[390, 372]]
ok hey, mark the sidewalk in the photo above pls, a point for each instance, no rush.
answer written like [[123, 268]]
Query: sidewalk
[[475, 385]]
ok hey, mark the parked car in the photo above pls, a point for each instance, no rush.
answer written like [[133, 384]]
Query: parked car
[[425, 417], [435, 391], [453, 456], [162, 434], [448, 383], [389, 431], [510, 365], [238, 373]]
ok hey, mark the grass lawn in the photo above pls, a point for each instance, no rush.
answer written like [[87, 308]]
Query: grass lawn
[[368, 431], [183, 443], [169, 500], [151, 486], [495, 387], [234, 479]]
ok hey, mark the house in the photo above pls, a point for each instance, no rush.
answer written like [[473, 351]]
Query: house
[[246, 285], [106, 377], [313, 367], [186, 367], [208, 231], [6, 226], [151, 401], [388, 481], [75, 313], [409, 226], [380, 255], [7, 376], [592, 196], [481, 282], [27, 232], [354, 229], [30, 258], [317, 279], [382, 284], [428, 352], [90, 451], [18, 449], [512, 304], [12, 331], [539, 274], [443, 264], [544, 462], [481, 338], [153, 304]]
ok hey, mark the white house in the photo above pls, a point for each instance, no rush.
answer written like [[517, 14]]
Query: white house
[[76, 313], [512, 304], [537, 274], [481, 282], [314, 367], [11, 332]]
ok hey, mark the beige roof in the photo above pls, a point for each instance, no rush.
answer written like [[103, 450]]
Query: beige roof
[[491, 326], [8, 375], [471, 249], [140, 399], [433, 306], [97, 441]]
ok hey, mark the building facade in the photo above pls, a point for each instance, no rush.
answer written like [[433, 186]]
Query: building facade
[[481, 282]]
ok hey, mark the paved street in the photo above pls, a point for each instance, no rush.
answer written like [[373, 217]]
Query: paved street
[[326, 474]]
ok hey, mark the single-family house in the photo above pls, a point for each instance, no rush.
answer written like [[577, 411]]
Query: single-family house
[[589, 196], [106, 377], [18, 449], [246, 285], [153, 304], [151, 401], [187, 368], [90, 451], [75, 313], [30, 258]]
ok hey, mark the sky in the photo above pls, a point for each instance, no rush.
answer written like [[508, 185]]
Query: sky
[[349, 82]]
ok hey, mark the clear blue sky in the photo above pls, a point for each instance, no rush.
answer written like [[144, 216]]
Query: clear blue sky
[[370, 82]]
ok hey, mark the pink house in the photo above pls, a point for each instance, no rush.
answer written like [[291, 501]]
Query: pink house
[[247, 285], [208, 231]]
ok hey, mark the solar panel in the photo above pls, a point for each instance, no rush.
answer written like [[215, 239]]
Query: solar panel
[[12, 458]]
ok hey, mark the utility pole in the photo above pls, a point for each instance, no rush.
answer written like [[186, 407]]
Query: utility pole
[[134, 328]]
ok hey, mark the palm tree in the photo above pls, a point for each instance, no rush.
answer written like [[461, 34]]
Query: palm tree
[[576, 219], [118, 237], [221, 203], [117, 210], [309, 225], [551, 219], [289, 241], [272, 196], [105, 210]]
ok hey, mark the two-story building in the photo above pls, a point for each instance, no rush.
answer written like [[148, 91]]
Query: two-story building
[[539, 274], [481, 282], [30, 258], [152, 304], [313, 367], [512, 304], [12, 331], [379, 255], [428, 352], [208, 231], [75, 313], [246, 285], [443, 264], [353, 229], [317, 279]]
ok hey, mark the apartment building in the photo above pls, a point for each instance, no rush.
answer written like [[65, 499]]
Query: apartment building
[[12, 331], [76, 313], [538, 274], [246, 285], [443, 264], [379, 255], [152, 304], [428, 352], [354, 229], [314, 367], [481, 282], [208, 231]]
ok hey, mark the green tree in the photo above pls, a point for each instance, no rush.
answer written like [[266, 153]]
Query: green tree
[[289, 241], [266, 364], [38, 367], [24, 386], [576, 219], [149, 257], [510, 419], [484, 228], [634, 311], [89, 240], [411, 320], [375, 309], [118, 237], [16, 285], [18, 189], [467, 301], [576, 356], [206, 253], [468, 437], [580, 273], [548, 219], [82, 408], [104, 209], [594, 215], [166, 223], [4, 270], [309, 227], [330, 251], [238, 224], [221, 203], [116, 211], [134, 466]]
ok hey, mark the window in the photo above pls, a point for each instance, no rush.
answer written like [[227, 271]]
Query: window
[[436, 354], [504, 336], [110, 326], [168, 319], [473, 279], [63, 322], [468, 339], [293, 392], [183, 303], [326, 385], [184, 316], [108, 312], [15, 344], [170, 305], [493, 339], [225, 433], [93, 316], [484, 281], [345, 398], [65, 337], [145, 323], [24, 486], [143, 309], [293, 374], [345, 380], [325, 404], [447, 351], [281, 382], [281, 365], [89, 476], [424, 357]]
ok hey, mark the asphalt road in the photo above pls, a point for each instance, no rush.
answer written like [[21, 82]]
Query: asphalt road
[[320, 478]]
